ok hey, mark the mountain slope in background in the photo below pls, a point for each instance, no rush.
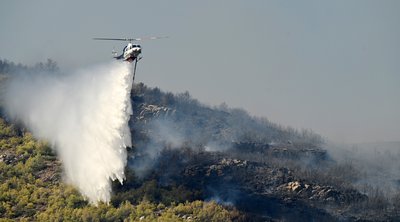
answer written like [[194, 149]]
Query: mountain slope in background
[[191, 162], [261, 168]]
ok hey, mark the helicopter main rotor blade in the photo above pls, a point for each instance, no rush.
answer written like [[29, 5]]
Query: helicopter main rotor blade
[[111, 39], [132, 39], [149, 38]]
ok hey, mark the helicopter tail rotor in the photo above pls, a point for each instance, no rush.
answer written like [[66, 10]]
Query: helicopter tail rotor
[[114, 52]]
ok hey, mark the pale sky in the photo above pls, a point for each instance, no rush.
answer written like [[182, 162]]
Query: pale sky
[[329, 66]]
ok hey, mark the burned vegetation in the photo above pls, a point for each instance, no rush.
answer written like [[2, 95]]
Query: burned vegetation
[[185, 151]]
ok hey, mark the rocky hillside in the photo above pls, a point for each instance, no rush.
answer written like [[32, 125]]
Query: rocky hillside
[[191, 162], [266, 171], [192, 165]]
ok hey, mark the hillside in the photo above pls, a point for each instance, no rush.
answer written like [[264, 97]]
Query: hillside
[[32, 190], [192, 162], [261, 168]]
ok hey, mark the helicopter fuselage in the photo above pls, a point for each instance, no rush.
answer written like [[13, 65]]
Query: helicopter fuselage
[[130, 52]]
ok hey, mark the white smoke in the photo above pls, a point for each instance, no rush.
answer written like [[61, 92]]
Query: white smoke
[[85, 116]]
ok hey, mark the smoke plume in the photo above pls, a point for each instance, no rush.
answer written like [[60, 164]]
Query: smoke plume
[[85, 117], [377, 164]]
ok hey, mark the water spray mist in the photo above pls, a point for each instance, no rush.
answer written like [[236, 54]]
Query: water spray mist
[[85, 116]]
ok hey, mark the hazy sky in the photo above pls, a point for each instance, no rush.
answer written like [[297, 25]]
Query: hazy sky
[[330, 66]]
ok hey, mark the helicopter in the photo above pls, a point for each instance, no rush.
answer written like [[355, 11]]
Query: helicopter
[[131, 52]]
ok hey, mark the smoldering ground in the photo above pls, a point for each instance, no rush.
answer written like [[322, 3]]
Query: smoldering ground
[[191, 139], [376, 164]]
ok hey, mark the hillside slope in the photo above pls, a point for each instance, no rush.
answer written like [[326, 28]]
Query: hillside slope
[[31, 190], [192, 162], [263, 169]]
